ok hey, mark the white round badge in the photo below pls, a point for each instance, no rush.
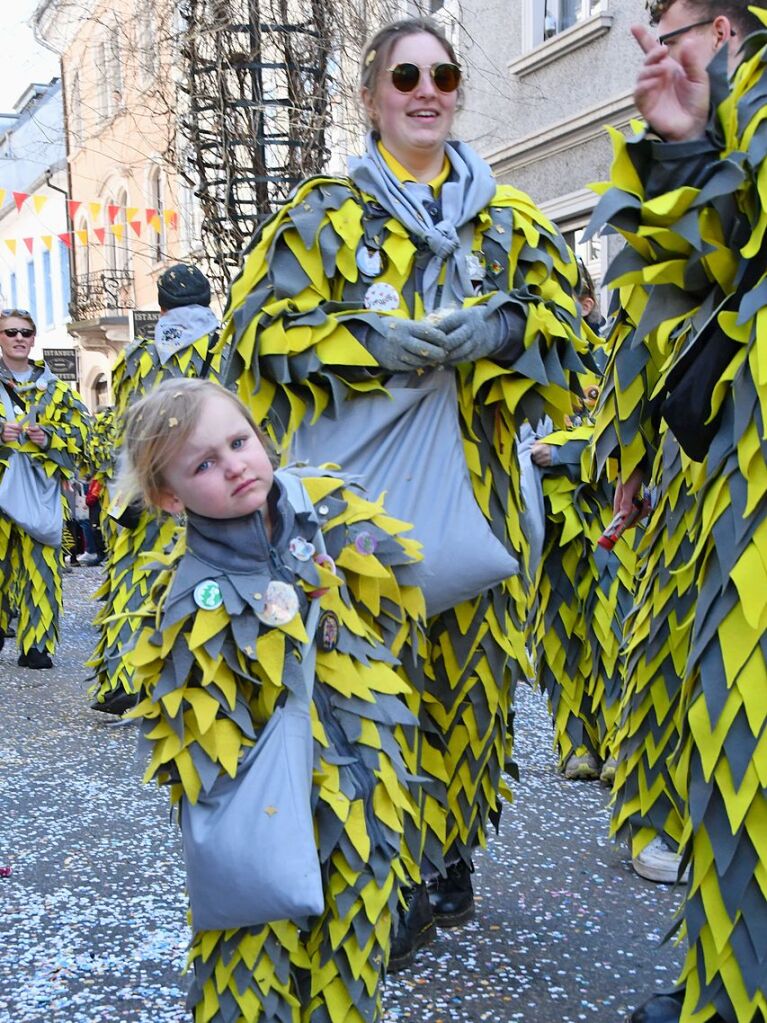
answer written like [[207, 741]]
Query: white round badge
[[207, 595], [280, 604], [382, 297], [301, 549]]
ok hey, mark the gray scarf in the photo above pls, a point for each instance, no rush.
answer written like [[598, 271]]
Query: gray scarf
[[469, 190], [181, 327]]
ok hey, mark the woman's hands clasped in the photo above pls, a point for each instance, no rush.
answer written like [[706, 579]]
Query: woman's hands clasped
[[461, 335]]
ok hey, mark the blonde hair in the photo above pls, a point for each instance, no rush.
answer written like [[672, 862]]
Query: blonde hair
[[158, 426]]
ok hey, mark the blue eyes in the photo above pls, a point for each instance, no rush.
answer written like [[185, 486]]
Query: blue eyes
[[236, 445]]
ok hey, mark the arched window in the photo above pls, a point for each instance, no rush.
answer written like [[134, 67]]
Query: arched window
[[118, 242]]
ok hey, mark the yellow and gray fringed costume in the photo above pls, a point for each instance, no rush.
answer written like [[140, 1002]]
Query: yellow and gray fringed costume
[[646, 802], [138, 369], [689, 247], [584, 595], [210, 678], [100, 459], [30, 570], [290, 320]]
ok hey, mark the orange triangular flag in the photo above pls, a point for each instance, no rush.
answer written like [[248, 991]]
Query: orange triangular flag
[[170, 217], [155, 224], [30, 244], [150, 215], [11, 243], [73, 205], [66, 238], [38, 201], [19, 198], [100, 232], [95, 208], [112, 212], [82, 236], [136, 225], [118, 230], [47, 240]]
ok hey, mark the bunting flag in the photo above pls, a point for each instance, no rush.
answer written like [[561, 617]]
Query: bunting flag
[[82, 236], [73, 205], [38, 201], [112, 212], [11, 243], [66, 238], [20, 198], [3, 194], [95, 208], [136, 225], [155, 223], [131, 213], [118, 230], [100, 232], [150, 215], [30, 243], [171, 218], [47, 240]]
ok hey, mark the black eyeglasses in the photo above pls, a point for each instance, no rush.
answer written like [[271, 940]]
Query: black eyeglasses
[[405, 77], [24, 331], [663, 40]]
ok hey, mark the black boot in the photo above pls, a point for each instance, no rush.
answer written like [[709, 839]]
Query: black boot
[[415, 928], [661, 1008], [452, 897], [35, 659], [116, 702]]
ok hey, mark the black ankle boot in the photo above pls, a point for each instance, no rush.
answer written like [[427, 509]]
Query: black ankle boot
[[117, 701], [452, 897], [661, 1008], [415, 928], [35, 659]]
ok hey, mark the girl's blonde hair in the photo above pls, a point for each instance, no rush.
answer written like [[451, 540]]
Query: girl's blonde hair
[[158, 426]]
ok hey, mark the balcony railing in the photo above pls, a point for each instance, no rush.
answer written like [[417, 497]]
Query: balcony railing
[[107, 292]]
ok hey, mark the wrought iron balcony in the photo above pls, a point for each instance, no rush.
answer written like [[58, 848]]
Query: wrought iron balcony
[[107, 292]]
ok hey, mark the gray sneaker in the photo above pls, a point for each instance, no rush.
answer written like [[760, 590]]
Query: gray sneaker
[[658, 862]]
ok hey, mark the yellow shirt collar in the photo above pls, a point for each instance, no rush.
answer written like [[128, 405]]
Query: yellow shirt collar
[[403, 174]]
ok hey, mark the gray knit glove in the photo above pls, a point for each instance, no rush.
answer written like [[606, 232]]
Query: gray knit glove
[[471, 334], [407, 344]]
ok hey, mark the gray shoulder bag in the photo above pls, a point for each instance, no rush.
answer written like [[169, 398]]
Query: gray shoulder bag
[[249, 846]]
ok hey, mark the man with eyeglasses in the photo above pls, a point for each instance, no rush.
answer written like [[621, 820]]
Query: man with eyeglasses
[[682, 409], [43, 420]]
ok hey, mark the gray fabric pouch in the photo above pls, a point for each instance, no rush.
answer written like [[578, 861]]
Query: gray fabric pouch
[[32, 499], [409, 445]]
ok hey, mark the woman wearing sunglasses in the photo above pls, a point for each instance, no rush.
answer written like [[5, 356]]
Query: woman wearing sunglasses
[[416, 261], [43, 421]]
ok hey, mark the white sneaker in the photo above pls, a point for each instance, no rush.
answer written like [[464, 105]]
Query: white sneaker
[[87, 558], [658, 862], [581, 768]]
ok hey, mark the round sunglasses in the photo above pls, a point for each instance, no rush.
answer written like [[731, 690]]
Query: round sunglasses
[[24, 331], [405, 77]]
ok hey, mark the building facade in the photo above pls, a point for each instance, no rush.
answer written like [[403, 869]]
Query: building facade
[[130, 212], [34, 248], [545, 80]]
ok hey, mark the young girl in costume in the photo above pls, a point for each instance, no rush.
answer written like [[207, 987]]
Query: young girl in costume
[[211, 663]]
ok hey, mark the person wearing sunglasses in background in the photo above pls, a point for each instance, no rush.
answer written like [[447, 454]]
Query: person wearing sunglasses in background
[[418, 260], [683, 409], [44, 420]]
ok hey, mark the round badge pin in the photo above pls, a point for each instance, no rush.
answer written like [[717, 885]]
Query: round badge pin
[[327, 631], [369, 261], [301, 549], [325, 561], [381, 297], [365, 543], [280, 604], [207, 595]]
